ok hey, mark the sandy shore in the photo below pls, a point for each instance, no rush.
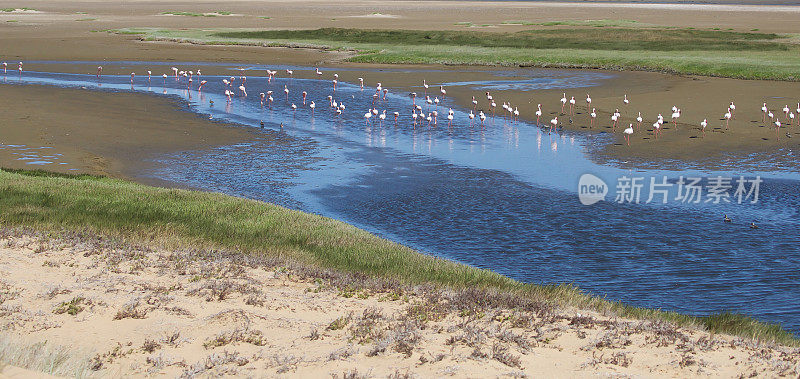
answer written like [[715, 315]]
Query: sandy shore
[[113, 134], [126, 310]]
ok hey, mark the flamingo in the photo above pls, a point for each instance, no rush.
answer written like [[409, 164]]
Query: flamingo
[[5, 68], [538, 113], [593, 116], [676, 113], [639, 121], [656, 128], [798, 108], [443, 92], [732, 107], [290, 73], [361, 80], [20, 68], [777, 128], [791, 118], [553, 124], [625, 100], [764, 111], [588, 101], [449, 119], [382, 116], [516, 113], [482, 116], [133, 74], [261, 96], [474, 103], [425, 84], [414, 116], [436, 101], [727, 117], [786, 112], [99, 71], [165, 79], [572, 106], [286, 91], [312, 106], [304, 97], [175, 71], [628, 132], [149, 74], [202, 83], [241, 88], [396, 115], [317, 71], [703, 126], [614, 118], [563, 102], [471, 116]]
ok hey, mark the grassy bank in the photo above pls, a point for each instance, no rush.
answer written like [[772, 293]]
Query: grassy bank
[[743, 55], [190, 219]]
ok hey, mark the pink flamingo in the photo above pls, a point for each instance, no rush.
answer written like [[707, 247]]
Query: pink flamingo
[[538, 113], [99, 71], [628, 132]]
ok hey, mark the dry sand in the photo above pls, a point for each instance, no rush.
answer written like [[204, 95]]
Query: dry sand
[[153, 312]]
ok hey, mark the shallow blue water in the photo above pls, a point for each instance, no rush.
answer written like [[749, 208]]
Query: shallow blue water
[[502, 197]]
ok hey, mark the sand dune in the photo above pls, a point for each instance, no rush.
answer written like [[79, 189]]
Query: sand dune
[[126, 310]]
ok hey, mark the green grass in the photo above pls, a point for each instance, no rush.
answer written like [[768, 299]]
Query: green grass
[[612, 39], [174, 218], [743, 55], [584, 23], [16, 9]]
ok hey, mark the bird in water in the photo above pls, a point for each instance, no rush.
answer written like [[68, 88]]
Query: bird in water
[[726, 219], [753, 225]]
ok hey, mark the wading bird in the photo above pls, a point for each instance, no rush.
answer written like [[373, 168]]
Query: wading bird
[[628, 132], [538, 113], [703, 126]]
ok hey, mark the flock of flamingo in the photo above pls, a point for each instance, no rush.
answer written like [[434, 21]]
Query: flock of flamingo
[[422, 116]]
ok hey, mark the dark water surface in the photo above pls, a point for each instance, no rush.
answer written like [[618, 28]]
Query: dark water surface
[[502, 197]]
